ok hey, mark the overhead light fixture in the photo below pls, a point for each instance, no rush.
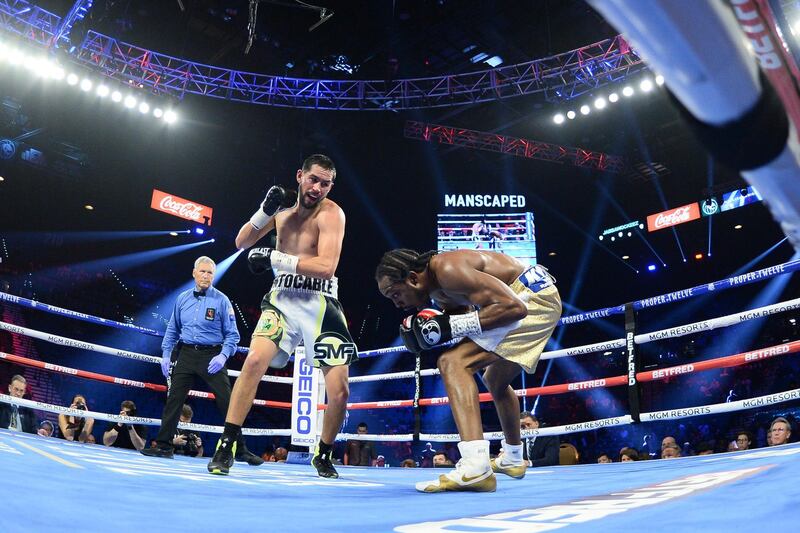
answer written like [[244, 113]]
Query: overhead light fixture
[[570, 114], [613, 97], [72, 78], [646, 85], [170, 117], [86, 85], [89, 207], [659, 80], [103, 91], [116, 96], [626, 257], [173, 233], [651, 268], [600, 103], [698, 256], [552, 254], [585, 109], [627, 91], [737, 226], [130, 102], [558, 118]]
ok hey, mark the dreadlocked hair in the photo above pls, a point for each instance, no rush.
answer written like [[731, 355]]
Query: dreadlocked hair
[[397, 264]]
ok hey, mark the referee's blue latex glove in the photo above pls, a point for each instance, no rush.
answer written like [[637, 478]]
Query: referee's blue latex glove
[[165, 362], [216, 363]]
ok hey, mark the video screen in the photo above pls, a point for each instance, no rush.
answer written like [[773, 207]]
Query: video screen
[[509, 233], [739, 198]]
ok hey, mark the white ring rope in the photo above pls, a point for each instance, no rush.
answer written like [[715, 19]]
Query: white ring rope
[[50, 408], [82, 345], [643, 338], [654, 416]]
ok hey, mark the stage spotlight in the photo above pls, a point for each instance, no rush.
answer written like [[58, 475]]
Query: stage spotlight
[[651, 268], [629, 234], [659, 80], [570, 114], [86, 85], [613, 97], [552, 254], [698, 256], [89, 207], [627, 91], [144, 108], [116, 96], [72, 78], [15, 57], [600, 237], [558, 118], [641, 226], [585, 109], [213, 240], [600, 103], [102, 91], [646, 85], [626, 257], [170, 116], [130, 102], [613, 238], [57, 73], [737, 226], [199, 231], [173, 233], [619, 234], [158, 112]]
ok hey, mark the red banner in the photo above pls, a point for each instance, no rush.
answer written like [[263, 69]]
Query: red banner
[[673, 217], [180, 207]]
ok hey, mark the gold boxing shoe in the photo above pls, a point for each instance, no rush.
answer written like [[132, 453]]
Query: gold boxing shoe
[[502, 465], [459, 480]]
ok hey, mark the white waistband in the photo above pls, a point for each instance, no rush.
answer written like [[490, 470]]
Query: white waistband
[[285, 281]]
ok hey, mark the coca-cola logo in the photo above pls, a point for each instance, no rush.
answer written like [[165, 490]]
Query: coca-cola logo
[[675, 217], [186, 210]]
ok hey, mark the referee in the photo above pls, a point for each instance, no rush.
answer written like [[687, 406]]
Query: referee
[[200, 337]]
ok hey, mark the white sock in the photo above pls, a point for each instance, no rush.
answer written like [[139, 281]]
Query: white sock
[[475, 455], [512, 452]]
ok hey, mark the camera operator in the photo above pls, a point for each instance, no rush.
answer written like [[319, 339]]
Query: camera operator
[[129, 436], [74, 427], [186, 442]]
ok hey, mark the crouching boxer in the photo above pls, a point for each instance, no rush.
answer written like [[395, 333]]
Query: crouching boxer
[[505, 313], [301, 306]]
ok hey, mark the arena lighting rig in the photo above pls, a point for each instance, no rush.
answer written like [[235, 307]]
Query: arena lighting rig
[[48, 70]]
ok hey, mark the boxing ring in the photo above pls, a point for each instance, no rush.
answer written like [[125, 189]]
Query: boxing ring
[[104, 482]]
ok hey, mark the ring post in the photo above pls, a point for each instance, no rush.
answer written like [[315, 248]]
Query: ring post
[[634, 363]]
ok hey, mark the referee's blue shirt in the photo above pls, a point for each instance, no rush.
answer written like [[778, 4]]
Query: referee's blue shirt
[[204, 319]]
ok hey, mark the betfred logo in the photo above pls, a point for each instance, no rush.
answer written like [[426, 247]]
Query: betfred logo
[[180, 207], [673, 217]]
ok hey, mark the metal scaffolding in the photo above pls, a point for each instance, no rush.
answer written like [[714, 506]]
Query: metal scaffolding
[[557, 78], [505, 144]]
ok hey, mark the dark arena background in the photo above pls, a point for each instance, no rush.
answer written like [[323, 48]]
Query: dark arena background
[[137, 136]]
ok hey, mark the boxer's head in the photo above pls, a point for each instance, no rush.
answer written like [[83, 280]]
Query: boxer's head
[[315, 180], [403, 278]]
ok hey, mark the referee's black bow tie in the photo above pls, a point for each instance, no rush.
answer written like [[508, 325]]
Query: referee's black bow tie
[[198, 294]]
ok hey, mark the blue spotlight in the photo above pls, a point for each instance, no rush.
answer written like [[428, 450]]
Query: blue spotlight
[[199, 231], [651, 268]]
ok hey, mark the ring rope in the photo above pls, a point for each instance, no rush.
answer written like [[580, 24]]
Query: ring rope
[[18, 359], [676, 296], [88, 346]]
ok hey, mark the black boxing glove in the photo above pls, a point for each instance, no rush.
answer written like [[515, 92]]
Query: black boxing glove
[[260, 260], [432, 328], [276, 200], [407, 335]]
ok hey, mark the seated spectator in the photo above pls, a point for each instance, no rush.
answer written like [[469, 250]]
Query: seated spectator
[[280, 454], [538, 451], [268, 455], [408, 463], [380, 461], [704, 448], [440, 459], [628, 454], [426, 457], [780, 431], [670, 451], [668, 441], [604, 458], [568, 454], [187, 442], [46, 429], [360, 452], [17, 417], [127, 436], [76, 428], [744, 440]]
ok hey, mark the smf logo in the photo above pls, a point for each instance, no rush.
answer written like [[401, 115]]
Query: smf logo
[[334, 349]]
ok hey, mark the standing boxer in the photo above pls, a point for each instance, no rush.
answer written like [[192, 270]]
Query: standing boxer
[[505, 311], [302, 305]]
